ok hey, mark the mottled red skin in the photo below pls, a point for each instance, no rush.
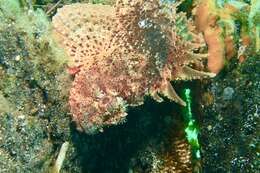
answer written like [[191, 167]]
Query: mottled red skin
[[96, 90], [118, 71], [74, 70]]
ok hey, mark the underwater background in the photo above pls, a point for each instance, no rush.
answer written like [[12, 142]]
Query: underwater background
[[216, 132]]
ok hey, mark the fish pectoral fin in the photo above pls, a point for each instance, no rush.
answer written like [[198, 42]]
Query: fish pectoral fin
[[168, 91], [189, 73], [155, 96]]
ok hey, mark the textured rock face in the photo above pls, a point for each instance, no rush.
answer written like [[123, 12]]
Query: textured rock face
[[32, 98], [123, 53], [230, 129]]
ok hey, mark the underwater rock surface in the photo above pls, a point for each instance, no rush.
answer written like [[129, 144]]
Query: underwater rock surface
[[230, 128], [33, 114]]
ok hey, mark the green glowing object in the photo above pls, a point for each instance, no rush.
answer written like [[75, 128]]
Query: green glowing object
[[192, 134], [191, 128], [187, 93]]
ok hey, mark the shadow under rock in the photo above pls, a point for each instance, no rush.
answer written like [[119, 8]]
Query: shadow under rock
[[112, 150]]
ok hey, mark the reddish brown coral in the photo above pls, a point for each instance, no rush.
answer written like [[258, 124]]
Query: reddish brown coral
[[123, 53], [206, 22], [219, 28]]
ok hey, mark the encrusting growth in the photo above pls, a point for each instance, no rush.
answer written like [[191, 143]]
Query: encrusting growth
[[230, 30], [123, 52]]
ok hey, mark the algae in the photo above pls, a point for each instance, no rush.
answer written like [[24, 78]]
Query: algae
[[32, 86]]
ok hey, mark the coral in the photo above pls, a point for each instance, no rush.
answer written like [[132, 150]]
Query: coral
[[230, 29], [121, 53], [206, 20], [178, 159]]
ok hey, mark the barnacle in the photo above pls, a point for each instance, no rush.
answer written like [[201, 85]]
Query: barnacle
[[124, 52]]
